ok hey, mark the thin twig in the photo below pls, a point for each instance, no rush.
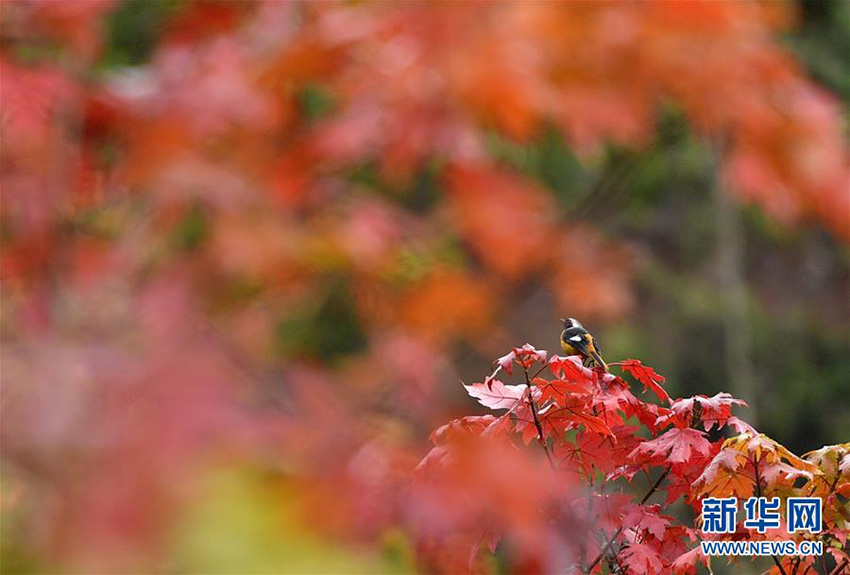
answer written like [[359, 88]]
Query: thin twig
[[616, 534], [838, 568], [539, 371], [540, 437]]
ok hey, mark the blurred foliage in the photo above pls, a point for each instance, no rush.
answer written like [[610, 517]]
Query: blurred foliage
[[133, 30], [272, 200], [327, 331], [823, 43], [244, 523]]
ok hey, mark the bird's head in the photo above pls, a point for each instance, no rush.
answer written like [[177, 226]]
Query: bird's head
[[571, 322]]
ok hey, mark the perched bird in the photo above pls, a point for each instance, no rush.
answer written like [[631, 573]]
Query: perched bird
[[575, 340]]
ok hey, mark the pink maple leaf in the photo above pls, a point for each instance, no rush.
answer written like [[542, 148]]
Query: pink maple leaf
[[675, 446], [496, 395]]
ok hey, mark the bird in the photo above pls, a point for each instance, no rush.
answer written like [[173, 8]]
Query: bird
[[576, 340]]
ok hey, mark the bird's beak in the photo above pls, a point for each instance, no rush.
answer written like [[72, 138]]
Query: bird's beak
[[563, 321]]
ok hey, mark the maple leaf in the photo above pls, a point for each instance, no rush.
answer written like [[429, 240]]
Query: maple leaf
[[607, 508], [727, 460], [585, 454], [674, 446], [569, 368], [761, 447], [557, 390], [686, 564], [740, 426], [497, 395], [591, 452], [841, 535], [469, 425], [571, 413], [645, 517], [435, 458], [525, 418], [506, 362], [782, 471], [721, 476], [528, 354], [832, 477], [710, 411], [616, 396], [743, 458], [642, 559], [831, 459], [525, 356], [647, 376], [683, 475], [839, 556], [490, 537]]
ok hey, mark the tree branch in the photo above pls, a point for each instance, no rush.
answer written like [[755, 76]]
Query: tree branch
[[617, 533], [540, 437], [838, 568]]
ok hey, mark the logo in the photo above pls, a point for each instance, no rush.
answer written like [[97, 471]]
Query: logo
[[804, 514]]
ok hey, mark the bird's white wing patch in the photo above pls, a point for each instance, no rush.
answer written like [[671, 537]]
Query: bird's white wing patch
[[575, 338]]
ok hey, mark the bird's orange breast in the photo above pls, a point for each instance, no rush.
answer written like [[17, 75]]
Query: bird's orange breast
[[568, 349]]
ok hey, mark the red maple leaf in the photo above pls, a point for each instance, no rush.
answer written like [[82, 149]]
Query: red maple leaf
[[686, 564], [594, 452], [607, 508], [570, 368], [683, 475], [469, 425], [647, 376], [641, 559], [711, 411], [645, 517], [559, 389], [618, 397], [570, 414]]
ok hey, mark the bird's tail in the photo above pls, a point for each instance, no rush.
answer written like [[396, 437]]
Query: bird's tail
[[598, 360], [594, 359]]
